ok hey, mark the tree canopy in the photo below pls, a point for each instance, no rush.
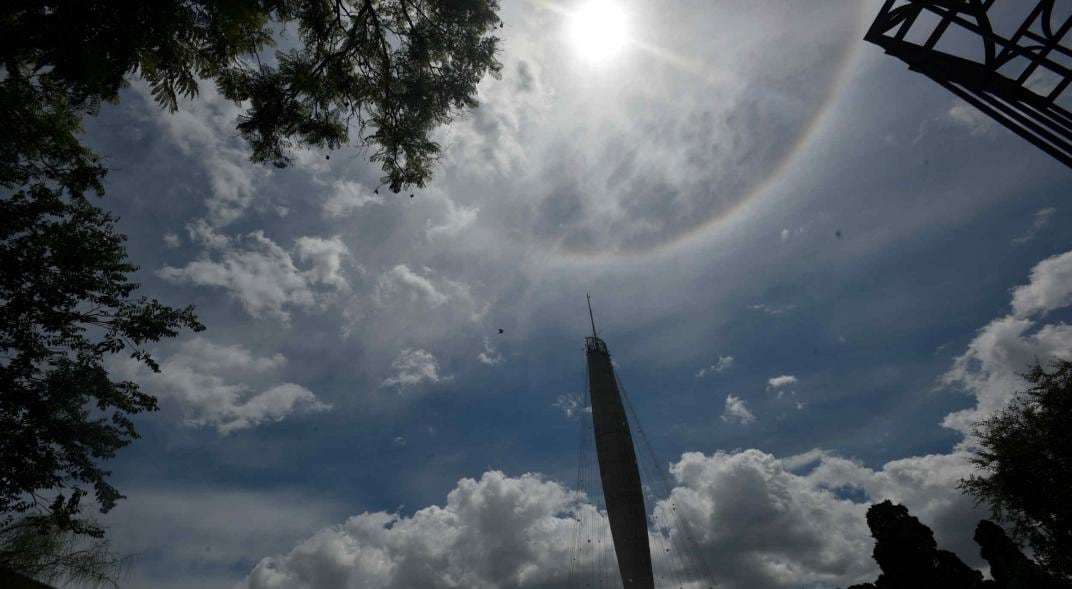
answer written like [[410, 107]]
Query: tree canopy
[[388, 71], [66, 304], [1025, 455]]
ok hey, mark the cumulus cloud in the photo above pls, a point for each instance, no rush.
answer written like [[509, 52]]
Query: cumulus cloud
[[926, 484], [172, 240], [1050, 287], [326, 257], [261, 275], [400, 281], [347, 196], [760, 522], [202, 377], [779, 382], [736, 411], [723, 364], [760, 525], [1041, 219], [412, 367], [990, 368], [497, 531]]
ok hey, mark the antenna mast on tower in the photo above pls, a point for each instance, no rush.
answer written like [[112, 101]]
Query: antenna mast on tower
[[590, 316]]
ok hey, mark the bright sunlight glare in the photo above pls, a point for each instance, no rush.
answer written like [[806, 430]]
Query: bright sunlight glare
[[598, 28]]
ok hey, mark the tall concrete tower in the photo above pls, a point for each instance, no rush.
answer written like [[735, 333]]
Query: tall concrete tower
[[618, 467]]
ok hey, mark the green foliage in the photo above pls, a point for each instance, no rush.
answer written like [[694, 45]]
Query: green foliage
[[37, 548], [386, 71], [1026, 456], [66, 303]]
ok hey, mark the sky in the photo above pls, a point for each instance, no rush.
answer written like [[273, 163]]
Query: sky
[[814, 270]]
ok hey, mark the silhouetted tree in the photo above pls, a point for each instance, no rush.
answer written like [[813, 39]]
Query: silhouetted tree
[[909, 557], [390, 70], [37, 548], [1009, 567], [66, 303], [1026, 456]]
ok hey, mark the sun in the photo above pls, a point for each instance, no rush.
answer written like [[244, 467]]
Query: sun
[[598, 29]]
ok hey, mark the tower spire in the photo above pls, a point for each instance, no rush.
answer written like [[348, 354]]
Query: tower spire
[[590, 316]]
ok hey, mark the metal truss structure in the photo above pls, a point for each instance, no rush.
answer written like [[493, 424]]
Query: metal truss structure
[[1017, 80]]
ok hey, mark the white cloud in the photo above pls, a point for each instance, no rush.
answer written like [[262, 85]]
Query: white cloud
[[990, 369], [204, 128], [736, 411], [568, 404], [172, 240], [970, 118], [457, 219], [761, 526], [203, 379], [412, 367], [400, 281], [494, 532], [490, 356], [491, 141], [772, 310], [723, 364], [927, 485], [261, 275], [1050, 287], [327, 256], [780, 382], [1042, 218], [785, 234], [758, 522], [347, 196], [202, 232]]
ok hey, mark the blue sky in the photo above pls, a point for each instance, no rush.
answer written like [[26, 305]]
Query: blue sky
[[745, 180]]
